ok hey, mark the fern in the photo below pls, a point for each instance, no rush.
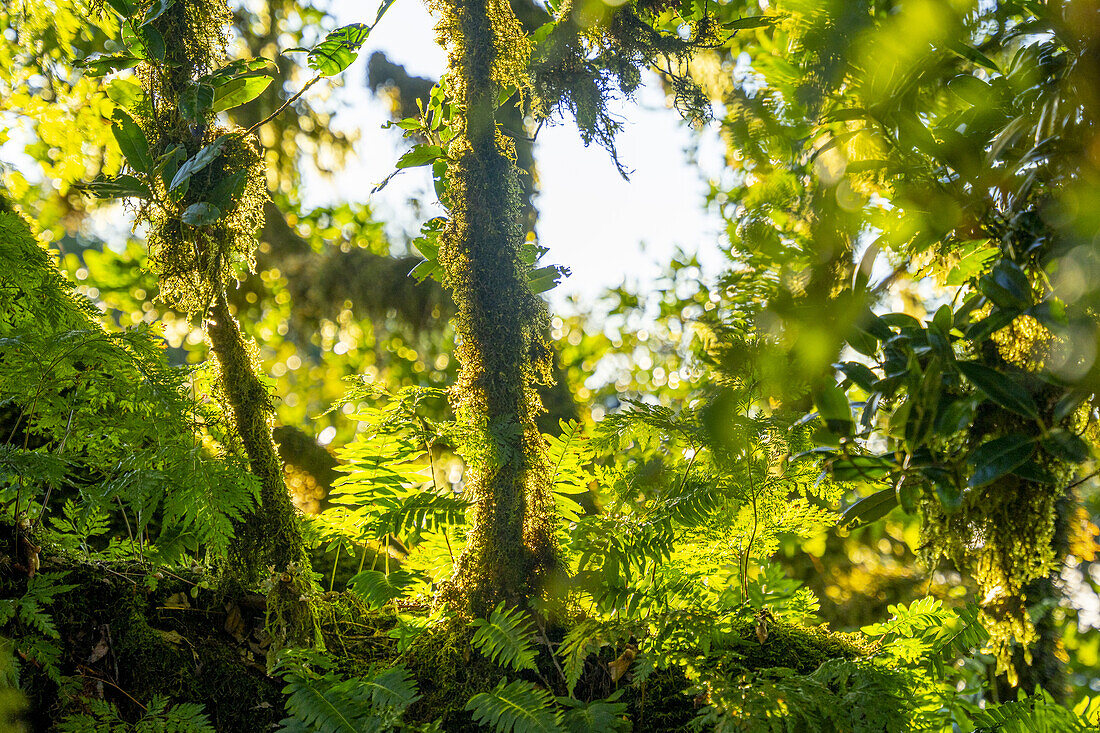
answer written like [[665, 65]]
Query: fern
[[159, 717], [378, 588], [598, 716], [1038, 713], [506, 638], [320, 701], [516, 707]]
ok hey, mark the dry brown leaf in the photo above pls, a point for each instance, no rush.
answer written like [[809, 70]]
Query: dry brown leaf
[[234, 622], [177, 600], [620, 666]]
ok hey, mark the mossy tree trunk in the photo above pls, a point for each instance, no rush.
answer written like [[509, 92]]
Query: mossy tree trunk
[[500, 323], [194, 264]]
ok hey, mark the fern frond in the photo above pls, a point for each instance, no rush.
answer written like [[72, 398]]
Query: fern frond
[[598, 716], [518, 707], [506, 638], [378, 588]]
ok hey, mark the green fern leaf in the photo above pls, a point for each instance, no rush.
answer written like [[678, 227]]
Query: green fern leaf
[[518, 707], [598, 716], [505, 638], [378, 588]]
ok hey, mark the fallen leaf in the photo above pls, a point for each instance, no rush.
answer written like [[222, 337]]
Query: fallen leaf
[[177, 600], [234, 622], [620, 666]]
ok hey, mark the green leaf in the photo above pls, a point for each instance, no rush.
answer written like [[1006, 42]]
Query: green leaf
[[867, 468], [859, 374], [120, 187], [956, 416], [996, 458], [598, 716], [505, 638], [101, 65], [1000, 388], [123, 7], [832, 406], [195, 101], [378, 588], [132, 142], [1067, 446], [227, 191], [972, 54], [995, 321], [1007, 286], [339, 49], [201, 159], [756, 21], [518, 707], [201, 214], [546, 278], [421, 155], [157, 9], [239, 91], [870, 509], [125, 93]]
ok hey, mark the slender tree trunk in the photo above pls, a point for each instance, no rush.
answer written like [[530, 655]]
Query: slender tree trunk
[[500, 324], [191, 263], [272, 537]]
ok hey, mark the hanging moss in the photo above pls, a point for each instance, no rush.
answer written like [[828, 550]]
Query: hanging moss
[[1003, 534], [500, 323]]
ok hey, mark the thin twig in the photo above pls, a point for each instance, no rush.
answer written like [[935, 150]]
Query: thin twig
[[285, 104]]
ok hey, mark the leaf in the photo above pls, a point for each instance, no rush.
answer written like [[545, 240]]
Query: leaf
[[101, 64], [505, 638], [832, 406], [393, 688], [599, 716], [870, 509], [868, 468], [1000, 388], [239, 91], [546, 278], [123, 7], [378, 588], [125, 93], [1067, 446], [120, 187], [1007, 286], [421, 155], [131, 141], [972, 54], [338, 50], [996, 458], [157, 9], [201, 159], [201, 214], [756, 21], [195, 101], [518, 707]]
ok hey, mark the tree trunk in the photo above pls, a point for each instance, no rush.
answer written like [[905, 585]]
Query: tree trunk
[[500, 325]]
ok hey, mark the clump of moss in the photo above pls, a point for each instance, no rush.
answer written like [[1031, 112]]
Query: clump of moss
[[126, 638]]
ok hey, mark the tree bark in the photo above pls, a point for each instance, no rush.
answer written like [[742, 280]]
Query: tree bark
[[500, 324]]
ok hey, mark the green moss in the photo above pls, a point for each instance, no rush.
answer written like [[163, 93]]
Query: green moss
[[151, 649], [500, 323], [448, 673]]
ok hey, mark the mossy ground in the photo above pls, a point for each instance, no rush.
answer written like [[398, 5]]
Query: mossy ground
[[127, 635]]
